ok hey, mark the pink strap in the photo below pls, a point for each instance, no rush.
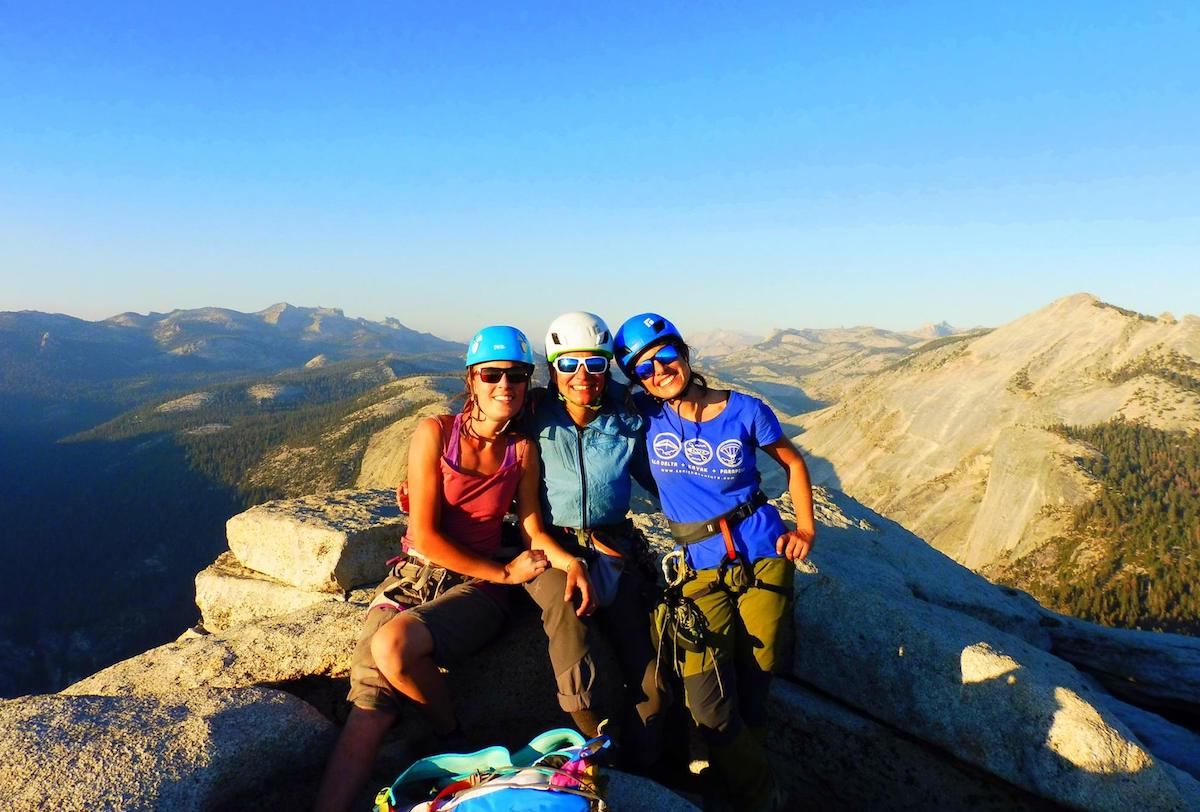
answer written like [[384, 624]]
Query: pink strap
[[452, 452]]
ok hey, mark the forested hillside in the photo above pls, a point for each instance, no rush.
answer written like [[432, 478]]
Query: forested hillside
[[226, 432], [105, 530], [1133, 556]]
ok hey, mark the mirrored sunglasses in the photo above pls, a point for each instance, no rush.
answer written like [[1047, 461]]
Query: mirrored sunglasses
[[594, 364], [515, 375], [665, 355]]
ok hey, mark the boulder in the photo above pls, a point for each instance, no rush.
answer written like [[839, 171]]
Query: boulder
[[916, 683], [331, 542], [502, 694], [1169, 742], [314, 641], [944, 676], [196, 750], [1155, 669], [230, 595]]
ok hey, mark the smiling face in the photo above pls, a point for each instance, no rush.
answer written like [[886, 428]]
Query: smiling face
[[500, 401], [581, 387], [669, 378]]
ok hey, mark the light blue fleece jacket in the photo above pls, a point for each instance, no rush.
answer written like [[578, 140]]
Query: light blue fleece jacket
[[586, 472]]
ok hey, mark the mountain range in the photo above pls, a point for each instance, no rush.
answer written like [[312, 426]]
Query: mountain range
[[805, 370], [59, 371]]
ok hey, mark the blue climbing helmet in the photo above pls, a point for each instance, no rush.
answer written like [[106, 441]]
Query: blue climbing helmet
[[499, 342], [639, 332]]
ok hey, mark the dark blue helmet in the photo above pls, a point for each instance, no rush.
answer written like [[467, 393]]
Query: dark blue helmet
[[639, 332]]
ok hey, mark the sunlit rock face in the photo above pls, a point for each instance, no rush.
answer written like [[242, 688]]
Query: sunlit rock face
[[915, 684], [955, 440], [330, 542], [189, 750]]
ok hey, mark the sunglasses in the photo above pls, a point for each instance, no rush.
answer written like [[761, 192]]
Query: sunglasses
[[664, 356], [594, 364], [515, 375]]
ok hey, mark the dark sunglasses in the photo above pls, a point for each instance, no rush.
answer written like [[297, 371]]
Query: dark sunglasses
[[664, 356], [594, 364], [515, 375]]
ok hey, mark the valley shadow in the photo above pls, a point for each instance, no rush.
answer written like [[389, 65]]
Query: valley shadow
[[774, 479], [792, 399], [102, 542]]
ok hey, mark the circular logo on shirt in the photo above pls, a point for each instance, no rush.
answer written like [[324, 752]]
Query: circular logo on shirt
[[729, 453], [666, 445], [697, 451]]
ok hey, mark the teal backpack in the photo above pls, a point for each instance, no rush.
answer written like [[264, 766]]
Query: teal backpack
[[555, 772]]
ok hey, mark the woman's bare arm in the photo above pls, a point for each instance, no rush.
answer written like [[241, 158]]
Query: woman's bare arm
[[795, 544], [535, 535]]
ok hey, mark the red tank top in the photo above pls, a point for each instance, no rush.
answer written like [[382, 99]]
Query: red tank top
[[473, 506]]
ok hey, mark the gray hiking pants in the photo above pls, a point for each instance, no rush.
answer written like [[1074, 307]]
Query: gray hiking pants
[[626, 624]]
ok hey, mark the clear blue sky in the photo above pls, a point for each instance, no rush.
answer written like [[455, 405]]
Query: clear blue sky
[[732, 165]]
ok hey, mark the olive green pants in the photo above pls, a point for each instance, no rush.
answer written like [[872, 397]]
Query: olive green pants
[[749, 636]]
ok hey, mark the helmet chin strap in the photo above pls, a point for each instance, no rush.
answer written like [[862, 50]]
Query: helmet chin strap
[[587, 406]]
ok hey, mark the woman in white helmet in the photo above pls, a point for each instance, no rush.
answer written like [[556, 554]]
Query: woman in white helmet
[[592, 445]]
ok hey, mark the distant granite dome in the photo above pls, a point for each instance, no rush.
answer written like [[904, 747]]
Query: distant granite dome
[[957, 441], [714, 343], [939, 330]]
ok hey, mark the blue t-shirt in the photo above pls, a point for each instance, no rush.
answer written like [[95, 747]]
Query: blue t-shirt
[[706, 469]]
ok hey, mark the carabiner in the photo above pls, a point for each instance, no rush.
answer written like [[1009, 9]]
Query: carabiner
[[675, 568]]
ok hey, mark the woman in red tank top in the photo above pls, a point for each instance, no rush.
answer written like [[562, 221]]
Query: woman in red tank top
[[463, 474]]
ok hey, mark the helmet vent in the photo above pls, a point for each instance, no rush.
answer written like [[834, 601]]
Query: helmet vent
[[554, 337], [604, 337]]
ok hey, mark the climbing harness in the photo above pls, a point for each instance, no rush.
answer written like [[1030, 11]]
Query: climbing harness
[[415, 580], [735, 572]]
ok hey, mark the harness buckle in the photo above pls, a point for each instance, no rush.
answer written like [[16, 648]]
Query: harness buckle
[[583, 537]]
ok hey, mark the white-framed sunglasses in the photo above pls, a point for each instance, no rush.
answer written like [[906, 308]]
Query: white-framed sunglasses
[[594, 364]]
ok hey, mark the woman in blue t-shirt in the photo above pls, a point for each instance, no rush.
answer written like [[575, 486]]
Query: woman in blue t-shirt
[[738, 552]]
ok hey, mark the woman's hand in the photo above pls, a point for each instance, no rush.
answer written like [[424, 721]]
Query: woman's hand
[[794, 545], [525, 567], [577, 580]]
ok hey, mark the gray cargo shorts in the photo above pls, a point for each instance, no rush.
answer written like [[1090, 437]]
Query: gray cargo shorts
[[461, 621]]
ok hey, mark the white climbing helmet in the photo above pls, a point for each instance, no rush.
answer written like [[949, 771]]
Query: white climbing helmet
[[575, 331]]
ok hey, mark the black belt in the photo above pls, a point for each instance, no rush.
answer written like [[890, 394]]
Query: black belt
[[610, 539], [690, 532]]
